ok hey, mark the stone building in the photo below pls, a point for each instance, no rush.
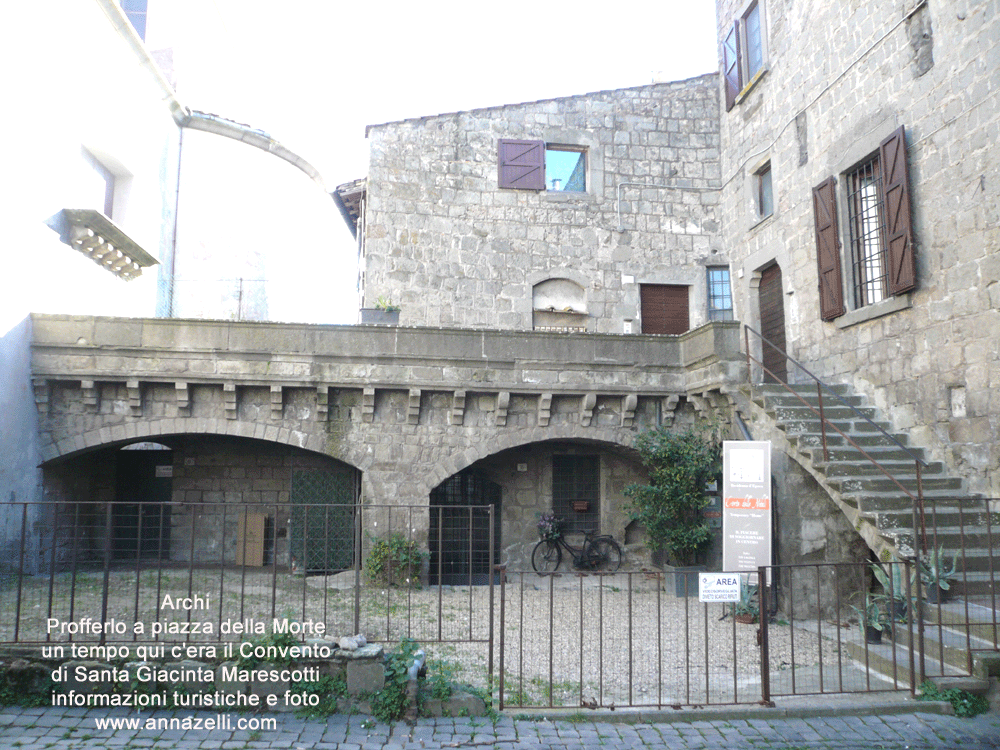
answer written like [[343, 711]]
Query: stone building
[[885, 281]]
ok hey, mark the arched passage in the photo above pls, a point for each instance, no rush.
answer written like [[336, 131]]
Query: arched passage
[[460, 529], [207, 499]]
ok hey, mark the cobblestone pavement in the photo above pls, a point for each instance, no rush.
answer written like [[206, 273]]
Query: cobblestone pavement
[[73, 729]]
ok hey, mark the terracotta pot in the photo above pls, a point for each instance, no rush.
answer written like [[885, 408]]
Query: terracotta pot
[[746, 619]]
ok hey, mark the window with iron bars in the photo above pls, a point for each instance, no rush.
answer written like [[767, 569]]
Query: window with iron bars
[[576, 491], [867, 232]]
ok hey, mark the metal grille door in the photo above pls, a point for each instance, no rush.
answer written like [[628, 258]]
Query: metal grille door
[[321, 534]]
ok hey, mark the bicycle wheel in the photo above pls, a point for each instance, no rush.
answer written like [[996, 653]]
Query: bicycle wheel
[[606, 554], [546, 557]]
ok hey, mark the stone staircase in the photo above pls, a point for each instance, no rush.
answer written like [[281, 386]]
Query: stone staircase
[[874, 503]]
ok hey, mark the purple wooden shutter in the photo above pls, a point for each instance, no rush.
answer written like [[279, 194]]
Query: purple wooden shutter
[[831, 290], [901, 260], [731, 65], [522, 164]]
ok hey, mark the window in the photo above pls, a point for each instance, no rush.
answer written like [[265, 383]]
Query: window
[[576, 491], [720, 298], [565, 169], [535, 165], [135, 10], [99, 184], [744, 52], [764, 199], [882, 261], [865, 220]]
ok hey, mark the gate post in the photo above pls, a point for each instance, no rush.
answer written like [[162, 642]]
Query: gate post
[[765, 657]]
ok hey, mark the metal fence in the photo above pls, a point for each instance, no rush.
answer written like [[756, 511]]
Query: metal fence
[[220, 572], [562, 640]]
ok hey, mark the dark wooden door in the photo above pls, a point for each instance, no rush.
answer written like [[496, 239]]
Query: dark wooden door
[[664, 308], [772, 325]]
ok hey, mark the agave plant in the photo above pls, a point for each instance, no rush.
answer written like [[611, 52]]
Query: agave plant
[[935, 571]]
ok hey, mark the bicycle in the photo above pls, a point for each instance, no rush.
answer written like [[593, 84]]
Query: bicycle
[[598, 553]]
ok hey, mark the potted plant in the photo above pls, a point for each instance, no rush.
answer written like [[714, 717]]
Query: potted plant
[[893, 586], [680, 465], [871, 619], [747, 609], [936, 574], [385, 313]]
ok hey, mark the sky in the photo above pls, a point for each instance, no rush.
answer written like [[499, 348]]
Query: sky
[[314, 73]]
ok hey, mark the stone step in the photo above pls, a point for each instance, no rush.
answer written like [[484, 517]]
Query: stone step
[[938, 504], [838, 428], [833, 414], [847, 485], [982, 622], [864, 467], [866, 440], [849, 453], [809, 397]]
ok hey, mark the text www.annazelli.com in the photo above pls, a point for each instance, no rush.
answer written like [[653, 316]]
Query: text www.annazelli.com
[[218, 721]]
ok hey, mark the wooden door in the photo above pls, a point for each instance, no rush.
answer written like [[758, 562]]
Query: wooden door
[[250, 540], [664, 308], [772, 325]]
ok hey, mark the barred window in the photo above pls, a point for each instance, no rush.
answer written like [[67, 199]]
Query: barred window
[[576, 491], [867, 228]]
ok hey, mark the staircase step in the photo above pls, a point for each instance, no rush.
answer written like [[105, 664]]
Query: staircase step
[[865, 467], [835, 414], [866, 440], [884, 484], [849, 453]]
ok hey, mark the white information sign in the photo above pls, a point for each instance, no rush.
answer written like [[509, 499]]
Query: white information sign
[[746, 504], [719, 587]]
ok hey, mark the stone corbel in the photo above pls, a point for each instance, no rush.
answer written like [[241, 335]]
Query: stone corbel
[[503, 404], [134, 397], [229, 398], [277, 402], [629, 404], [587, 404], [322, 403], [457, 414], [668, 409], [182, 398], [42, 395], [91, 394], [368, 405], [413, 407], [544, 409]]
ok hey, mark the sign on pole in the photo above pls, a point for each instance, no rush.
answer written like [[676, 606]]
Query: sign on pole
[[746, 504], [719, 587]]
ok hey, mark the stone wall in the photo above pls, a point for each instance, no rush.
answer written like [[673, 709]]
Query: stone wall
[[839, 78], [453, 249]]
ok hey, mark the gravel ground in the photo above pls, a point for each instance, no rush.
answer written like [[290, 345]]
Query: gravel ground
[[568, 639]]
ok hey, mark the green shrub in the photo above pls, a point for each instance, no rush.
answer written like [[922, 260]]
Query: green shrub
[[389, 704], [329, 689], [965, 703], [394, 561], [680, 466]]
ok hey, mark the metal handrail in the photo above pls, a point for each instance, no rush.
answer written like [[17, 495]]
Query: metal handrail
[[918, 499]]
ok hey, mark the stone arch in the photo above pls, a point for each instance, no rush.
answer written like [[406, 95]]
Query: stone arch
[[620, 438], [147, 429]]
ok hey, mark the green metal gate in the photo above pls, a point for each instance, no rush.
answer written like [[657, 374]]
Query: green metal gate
[[321, 530]]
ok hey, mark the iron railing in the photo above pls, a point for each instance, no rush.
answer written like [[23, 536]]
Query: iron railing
[[821, 387]]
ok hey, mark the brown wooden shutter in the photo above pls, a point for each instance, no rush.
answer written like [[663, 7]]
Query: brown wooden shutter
[[731, 65], [831, 289], [664, 308], [522, 164], [772, 325], [901, 260]]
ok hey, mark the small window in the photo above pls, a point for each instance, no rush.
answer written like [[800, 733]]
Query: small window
[[536, 165], [765, 200], [744, 51], [99, 184], [720, 297], [135, 10], [565, 169]]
